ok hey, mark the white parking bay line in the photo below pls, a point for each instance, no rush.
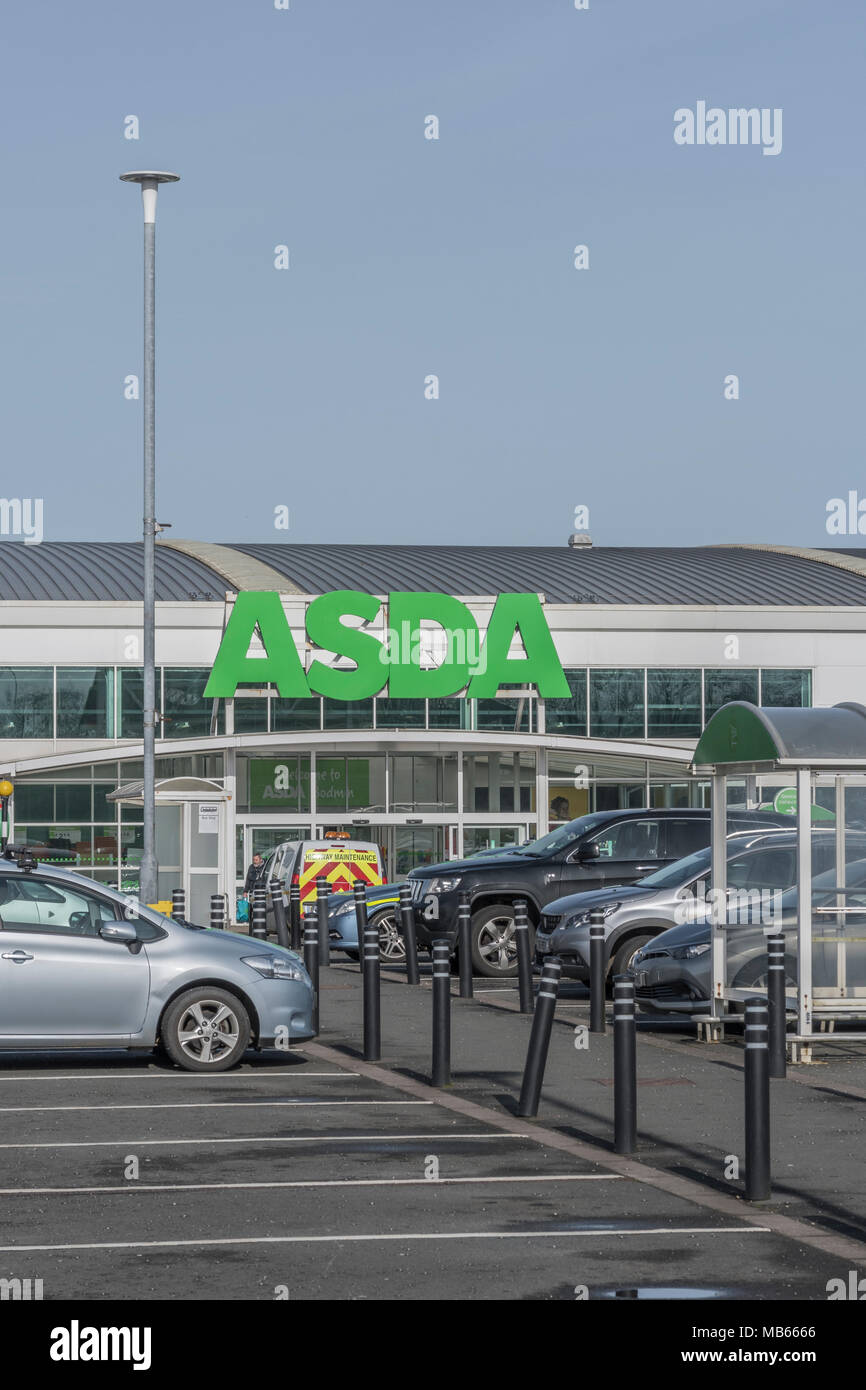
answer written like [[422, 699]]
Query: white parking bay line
[[302, 1182], [299, 1074], [391, 1236], [373, 1137], [203, 1105]]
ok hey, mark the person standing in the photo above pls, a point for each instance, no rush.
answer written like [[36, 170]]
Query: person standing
[[255, 875]]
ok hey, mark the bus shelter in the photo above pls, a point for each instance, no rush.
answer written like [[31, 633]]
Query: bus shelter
[[809, 764]]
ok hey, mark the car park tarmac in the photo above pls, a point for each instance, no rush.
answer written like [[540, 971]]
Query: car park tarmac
[[313, 1175]]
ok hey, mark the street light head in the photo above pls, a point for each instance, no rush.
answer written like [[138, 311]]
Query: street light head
[[149, 176], [150, 179]]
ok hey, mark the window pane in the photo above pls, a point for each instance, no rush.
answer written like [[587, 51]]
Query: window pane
[[295, 714], [786, 688], [511, 716], [26, 701], [331, 784], [85, 702], [187, 712], [103, 809], [616, 704], [400, 714], [674, 704], [72, 802], [33, 802], [251, 715], [104, 845], [450, 713], [568, 716], [132, 701], [348, 714], [722, 686]]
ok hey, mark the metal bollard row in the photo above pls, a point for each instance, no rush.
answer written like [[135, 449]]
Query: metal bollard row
[[311, 963], [464, 945], [596, 972], [524, 957], [539, 1038], [259, 914], [441, 1014], [278, 904], [323, 889], [407, 921], [217, 911]]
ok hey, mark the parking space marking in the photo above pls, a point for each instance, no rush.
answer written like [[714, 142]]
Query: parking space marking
[[354, 1239], [299, 1074], [306, 1182], [203, 1105], [372, 1137]]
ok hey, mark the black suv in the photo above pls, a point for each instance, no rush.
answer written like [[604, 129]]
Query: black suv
[[608, 847]]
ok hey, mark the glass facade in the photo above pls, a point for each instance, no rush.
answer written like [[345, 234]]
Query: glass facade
[[673, 700], [569, 716], [616, 704], [105, 702]]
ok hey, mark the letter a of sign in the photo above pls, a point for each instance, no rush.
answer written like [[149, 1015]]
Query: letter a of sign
[[539, 667], [280, 664]]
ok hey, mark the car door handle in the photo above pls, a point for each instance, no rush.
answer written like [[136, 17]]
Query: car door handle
[[19, 957]]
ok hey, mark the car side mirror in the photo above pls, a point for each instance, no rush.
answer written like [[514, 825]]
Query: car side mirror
[[589, 851], [122, 932]]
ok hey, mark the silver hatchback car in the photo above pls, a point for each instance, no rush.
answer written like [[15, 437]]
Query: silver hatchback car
[[82, 966]]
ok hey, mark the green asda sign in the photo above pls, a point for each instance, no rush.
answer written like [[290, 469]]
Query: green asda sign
[[467, 662]]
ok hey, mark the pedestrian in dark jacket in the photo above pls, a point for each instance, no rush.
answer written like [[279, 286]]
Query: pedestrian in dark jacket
[[255, 875]]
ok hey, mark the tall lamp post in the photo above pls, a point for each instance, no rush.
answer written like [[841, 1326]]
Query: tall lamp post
[[150, 182]]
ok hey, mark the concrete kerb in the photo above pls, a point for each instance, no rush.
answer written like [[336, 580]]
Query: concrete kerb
[[838, 1246]]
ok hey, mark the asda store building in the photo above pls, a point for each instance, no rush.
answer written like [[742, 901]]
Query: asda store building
[[586, 689]]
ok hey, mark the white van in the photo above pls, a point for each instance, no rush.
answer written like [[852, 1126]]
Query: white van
[[342, 860]]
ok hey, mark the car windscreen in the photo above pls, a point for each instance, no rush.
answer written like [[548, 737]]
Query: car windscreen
[[560, 838]]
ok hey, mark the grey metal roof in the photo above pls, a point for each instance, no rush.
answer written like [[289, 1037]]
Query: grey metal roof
[[586, 574], [100, 570], [723, 575]]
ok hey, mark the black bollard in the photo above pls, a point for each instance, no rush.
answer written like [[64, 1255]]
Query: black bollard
[[259, 924], [323, 889], [372, 1009], [524, 956], [311, 963], [539, 1038], [757, 1079], [624, 1066], [178, 908], [361, 918], [596, 972], [441, 1014], [278, 903], [776, 1002], [217, 911], [464, 945], [295, 915], [407, 921]]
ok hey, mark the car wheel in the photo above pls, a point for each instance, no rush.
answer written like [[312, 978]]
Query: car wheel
[[494, 946], [392, 947], [205, 1029], [623, 958]]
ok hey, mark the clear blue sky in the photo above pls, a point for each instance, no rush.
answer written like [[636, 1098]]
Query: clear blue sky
[[453, 257]]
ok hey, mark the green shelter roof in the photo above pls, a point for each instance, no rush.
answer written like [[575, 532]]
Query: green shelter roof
[[744, 738]]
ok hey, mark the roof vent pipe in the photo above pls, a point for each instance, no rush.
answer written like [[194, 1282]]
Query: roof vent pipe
[[580, 538]]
